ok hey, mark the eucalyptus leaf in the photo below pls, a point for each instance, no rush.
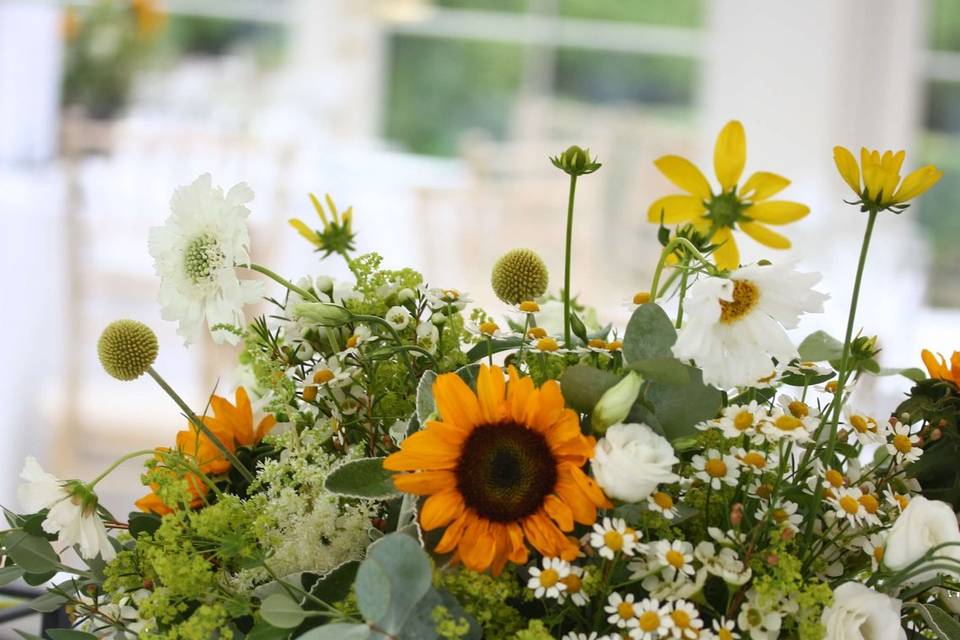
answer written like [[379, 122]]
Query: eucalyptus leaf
[[820, 346], [47, 602], [910, 373], [666, 370], [337, 631], [70, 634], [10, 574], [362, 478], [649, 334], [679, 408], [33, 553], [583, 386], [426, 406], [391, 580], [282, 611], [332, 586], [937, 620], [266, 631]]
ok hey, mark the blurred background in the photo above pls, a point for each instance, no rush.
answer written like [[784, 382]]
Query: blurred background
[[435, 119]]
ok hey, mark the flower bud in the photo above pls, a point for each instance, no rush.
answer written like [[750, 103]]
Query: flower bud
[[575, 161], [615, 403], [323, 313], [736, 514], [405, 295], [324, 284]]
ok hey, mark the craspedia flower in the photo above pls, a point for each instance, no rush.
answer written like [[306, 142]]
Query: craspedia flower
[[127, 348], [519, 275]]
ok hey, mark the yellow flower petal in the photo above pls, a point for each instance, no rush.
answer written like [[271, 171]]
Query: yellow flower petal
[[730, 154], [917, 183], [761, 185], [305, 231], [675, 209], [777, 211], [893, 161], [847, 166], [765, 235], [727, 256], [685, 175]]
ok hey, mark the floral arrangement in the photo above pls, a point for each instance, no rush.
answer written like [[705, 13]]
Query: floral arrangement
[[401, 464]]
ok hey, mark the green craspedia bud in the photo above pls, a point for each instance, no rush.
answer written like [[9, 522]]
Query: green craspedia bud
[[519, 275], [127, 348]]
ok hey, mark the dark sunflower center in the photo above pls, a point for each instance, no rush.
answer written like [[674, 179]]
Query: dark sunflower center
[[505, 471]]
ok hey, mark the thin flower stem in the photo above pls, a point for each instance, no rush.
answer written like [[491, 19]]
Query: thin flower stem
[[303, 293], [198, 423], [566, 271], [667, 250], [117, 463], [683, 293], [396, 338]]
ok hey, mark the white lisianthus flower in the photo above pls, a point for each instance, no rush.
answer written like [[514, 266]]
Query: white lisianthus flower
[[860, 613], [923, 525], [72, 510], [631, 460], [196, 253], [736, 324]]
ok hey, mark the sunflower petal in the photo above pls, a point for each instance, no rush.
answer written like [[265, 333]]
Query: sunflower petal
[[519, 554], [674, 209], [551, 408], [917, 183], [761, 185], [456, 401], [777, 211], [559, 511], [589, 486], [477, 547], [490, 392], [425, 483], [441, 509], [685, 175], [765, 235], [518, 393], [454, 533], [730, 154], [423, 450], [727, 256], [584, 511]]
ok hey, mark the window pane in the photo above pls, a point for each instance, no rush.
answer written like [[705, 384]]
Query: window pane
[[486, 5], [595, 76], [945, 25], [678, 13]]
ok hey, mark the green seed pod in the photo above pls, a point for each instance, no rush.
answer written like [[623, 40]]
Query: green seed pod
[[127, 348], [519, 275]]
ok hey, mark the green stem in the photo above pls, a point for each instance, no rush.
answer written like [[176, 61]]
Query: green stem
[[303, 293], [667, 250], [683, 293], [198, 423], [396, 337], [566, 272], [117, 463]]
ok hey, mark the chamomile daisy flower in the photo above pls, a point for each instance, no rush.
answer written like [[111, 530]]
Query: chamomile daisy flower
[[196, 253], [686, 620], [807, 368], [903, 445], [574, 584], [755, 461], [621, 610], [716, 469], [548, 581], [874, 547], [724, 629], [898, 501], [863, 427], [783, 514], [662, 503], [847, 505], [573, 635], [675, 558], [740, 420], [611, 536], [651, 620], [779, 425], [737, 323], [797, 407], [327, 373]]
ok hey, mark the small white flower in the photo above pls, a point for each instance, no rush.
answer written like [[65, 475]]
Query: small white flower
[[755, 461], [574, 590], [329, 373], [196, 253], [548, 582], [675, 558], [686, 620], [428, 336], [621, 609], [611, 536], [759, 622], [724, 629], [874, 547], [573, 635], [896, 500], [805, 367], [797, 407], [726, 564], [663, 504], [740, 420], [447, 299], [397, 317], [780, 425], [652, 620], [847, 505], [716, 469], [866, 429], [903, 446], [72, 512], [783, 514]]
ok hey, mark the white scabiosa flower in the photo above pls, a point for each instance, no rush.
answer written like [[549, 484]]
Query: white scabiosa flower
[[72, 510], [759, 622], [428, 336], [196, 253], [736, 324]]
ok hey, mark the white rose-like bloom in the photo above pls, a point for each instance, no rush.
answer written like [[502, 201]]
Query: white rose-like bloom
[[631, 460], [736, 324], [73, 520], [196, 253], [860, 613], [923, 525]]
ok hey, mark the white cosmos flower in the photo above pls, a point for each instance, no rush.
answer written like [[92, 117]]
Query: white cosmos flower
[[860, 613], [736, 324], [71, 512], [196, 252]]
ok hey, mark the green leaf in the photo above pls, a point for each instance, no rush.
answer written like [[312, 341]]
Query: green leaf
[[482, 348], [47, 602], [820, 346], [337, 631], [394, 577], [69, 634], [583, 386], [37, 579], [27, 636], [679, 408], [663, 369], [363, 478], [143, 523], [10, 574], [333, 586], [33, 553], [426, 406], [649, 334], [282, 611], [910, 373], [266, 631], [937, 620]]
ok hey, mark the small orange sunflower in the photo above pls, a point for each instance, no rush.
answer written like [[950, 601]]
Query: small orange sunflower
[[502, 466], [938, 368]]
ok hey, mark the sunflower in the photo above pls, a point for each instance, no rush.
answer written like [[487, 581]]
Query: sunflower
[[882, 187], [939, 369], [716, 215], [502, 465]]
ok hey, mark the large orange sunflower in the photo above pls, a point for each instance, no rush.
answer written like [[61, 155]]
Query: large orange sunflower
[[502, 466]]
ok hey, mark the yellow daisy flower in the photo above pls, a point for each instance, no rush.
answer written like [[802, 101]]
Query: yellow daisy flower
[[881, 187], [747, 208]]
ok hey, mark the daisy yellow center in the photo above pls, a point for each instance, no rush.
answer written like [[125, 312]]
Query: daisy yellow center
[[850, 505], [625, 610], [799, 409], [663, 500], [680, 618], [743, 421], [597, 343], [878, 553], [613, 540], [675, 559], [489, 328], [641, 297], [832, 386], [537, 332], [649, 621], [755, 459], [859, 423], [505, 471], [549, 577], [573, 583], [903, 501], [715, 468], [202, 257], [902, 443], [745, 298], [547, 344], [834, 477], [724, 634], [353, 341], [870, 503], [613, 345], [764, 490], [323, 375], [780, 515], [787, 423], [529, 306]]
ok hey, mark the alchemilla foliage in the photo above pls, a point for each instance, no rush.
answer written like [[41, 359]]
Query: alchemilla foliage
[[398, 463]]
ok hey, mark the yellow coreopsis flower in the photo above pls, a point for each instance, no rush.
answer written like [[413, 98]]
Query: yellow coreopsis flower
[[881, 187], [716, 215], [337, 234]]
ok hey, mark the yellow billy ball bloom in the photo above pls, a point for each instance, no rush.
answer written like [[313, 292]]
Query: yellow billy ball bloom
[[881, 187], [746, 207]]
